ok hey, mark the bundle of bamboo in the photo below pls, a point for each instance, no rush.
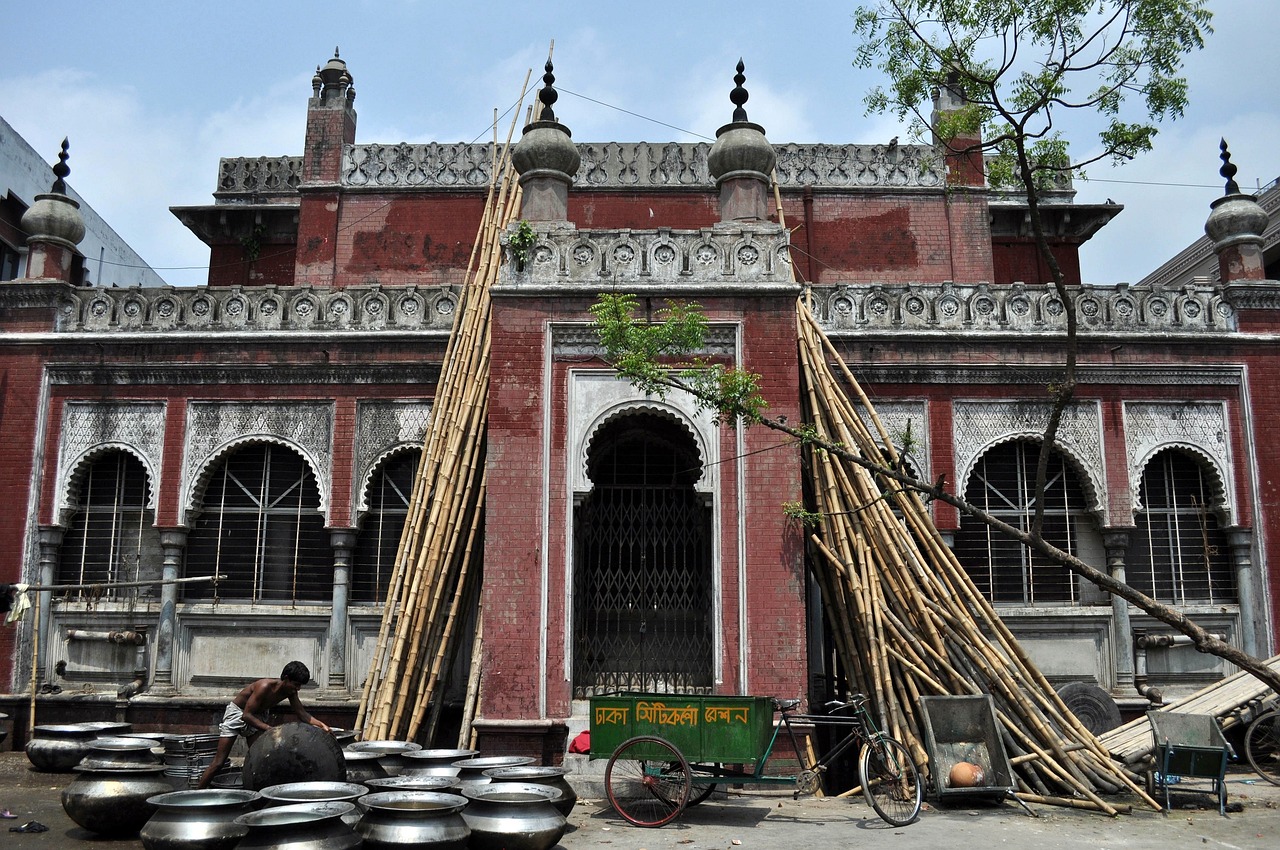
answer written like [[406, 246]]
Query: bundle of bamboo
[[436, 579], [905, 617]]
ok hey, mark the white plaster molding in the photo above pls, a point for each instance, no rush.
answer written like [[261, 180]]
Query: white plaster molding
[[384, 428], [1199, 428], [90, 428]]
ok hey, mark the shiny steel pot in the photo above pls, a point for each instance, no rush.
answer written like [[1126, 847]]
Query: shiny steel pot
[[411, 783], [361, 767], [471, 771], [105, 728], [316, 792], [110, 753], [419, 760], [58, 748], [302, 826], [197, 820], [390, 753], [512, 816], [293, 752], [552, 777], [114, 802], [419, 819]]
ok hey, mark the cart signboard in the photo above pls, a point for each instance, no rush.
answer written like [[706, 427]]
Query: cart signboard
[[724, 729]]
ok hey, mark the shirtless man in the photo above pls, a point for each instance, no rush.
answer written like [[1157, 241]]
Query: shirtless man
[[241, 716]]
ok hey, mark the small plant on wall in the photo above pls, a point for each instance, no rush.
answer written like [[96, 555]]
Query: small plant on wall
[[521, 242]]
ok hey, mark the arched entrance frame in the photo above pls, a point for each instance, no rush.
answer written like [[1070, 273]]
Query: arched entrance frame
[[597, 396]]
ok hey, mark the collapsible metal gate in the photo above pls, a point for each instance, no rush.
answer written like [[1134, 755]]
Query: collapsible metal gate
[[643, 605]]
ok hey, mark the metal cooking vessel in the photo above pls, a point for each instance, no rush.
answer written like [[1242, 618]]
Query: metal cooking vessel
[[293, 752], [512, 816], [414, 819], [552, 777], [58, 748], [114, 802], [197, 820], [302, 826]]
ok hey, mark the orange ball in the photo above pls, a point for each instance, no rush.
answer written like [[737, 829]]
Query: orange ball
[[967, 775]]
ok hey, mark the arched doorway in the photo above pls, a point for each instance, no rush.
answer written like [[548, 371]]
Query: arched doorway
[[643, 606]]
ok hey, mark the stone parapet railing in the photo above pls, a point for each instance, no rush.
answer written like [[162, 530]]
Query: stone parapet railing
[[260, 176], [1021, 308], [253, 309], [721, 255]]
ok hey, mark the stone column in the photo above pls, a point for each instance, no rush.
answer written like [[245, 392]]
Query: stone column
[[50, 541], [173, 541], [1241, 542], [343, 541], [1116, 542]]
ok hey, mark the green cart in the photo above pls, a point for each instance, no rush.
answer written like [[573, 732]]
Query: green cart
[[669, 751]]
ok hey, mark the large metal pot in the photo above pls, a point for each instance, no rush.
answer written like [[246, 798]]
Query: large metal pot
[[411, 783], [106, 728], [471, 771], [361, 767], [420, 760], [395, 820], [111, 753], [302, 826], [293, 752], [114, 802], [512, 816], [390, 753], [58, 748], [291, 793], [552, 777], [197, 820], [186, 758]]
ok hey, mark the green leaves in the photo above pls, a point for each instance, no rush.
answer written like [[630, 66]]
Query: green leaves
[[656, 355], [1020, 68]]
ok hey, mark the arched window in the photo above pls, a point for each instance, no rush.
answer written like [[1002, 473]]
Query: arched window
[[260, 525], [374, 558], [1178, 553], [1003, 484], [112, 537]]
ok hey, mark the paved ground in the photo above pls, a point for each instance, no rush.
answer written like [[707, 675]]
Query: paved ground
[[776, 821]]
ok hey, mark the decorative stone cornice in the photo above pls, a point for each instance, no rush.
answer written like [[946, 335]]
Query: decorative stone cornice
[[578, 339], [743, 256], [1022, 308], [160, 375], [257, 308], [1036, 376]]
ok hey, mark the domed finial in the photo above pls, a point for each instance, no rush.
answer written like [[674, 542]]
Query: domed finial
[[335, 52], [1228, 169], [739, 95], [316, 82], [548, 95], [61, 170]]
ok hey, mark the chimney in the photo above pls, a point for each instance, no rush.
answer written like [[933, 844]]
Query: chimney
[[741, 161], [546, 159], [331, 122], [1236, 225], [56, 228], [960, 149]]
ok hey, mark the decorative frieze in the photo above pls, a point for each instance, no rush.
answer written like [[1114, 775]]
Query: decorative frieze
[[258, 308], [215, 427], [262, 175], [91, 427], [578, 339], [1197, 427], [383, 427], [638, 165], [977, 426], [722, 255], [1022, 308]]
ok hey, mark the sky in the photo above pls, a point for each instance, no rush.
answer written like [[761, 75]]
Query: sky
[[152, 94]]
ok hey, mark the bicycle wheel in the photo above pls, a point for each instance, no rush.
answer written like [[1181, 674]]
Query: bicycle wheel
[[890, 781], [700, 792], [647, 781], [1262, 746]]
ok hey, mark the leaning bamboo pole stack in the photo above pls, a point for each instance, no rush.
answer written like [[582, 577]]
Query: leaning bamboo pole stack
[[905, 618], [435, 582]]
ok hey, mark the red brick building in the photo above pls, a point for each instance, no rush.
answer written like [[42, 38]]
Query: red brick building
[[265, 427]]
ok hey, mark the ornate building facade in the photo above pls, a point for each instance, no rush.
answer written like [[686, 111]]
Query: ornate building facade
[[264, 428]]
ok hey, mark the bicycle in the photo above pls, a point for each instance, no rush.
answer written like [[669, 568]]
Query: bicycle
[[1262, 745], [685, 741]]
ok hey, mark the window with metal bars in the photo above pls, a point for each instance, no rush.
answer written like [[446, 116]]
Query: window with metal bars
[[112, 536], [1003, 484], [378, 540], [260, 525], [1178, 554]]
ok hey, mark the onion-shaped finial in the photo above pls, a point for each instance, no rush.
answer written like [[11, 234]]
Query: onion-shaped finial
[[548, 94], [62, 170], [739, 95], [1228, 169]]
